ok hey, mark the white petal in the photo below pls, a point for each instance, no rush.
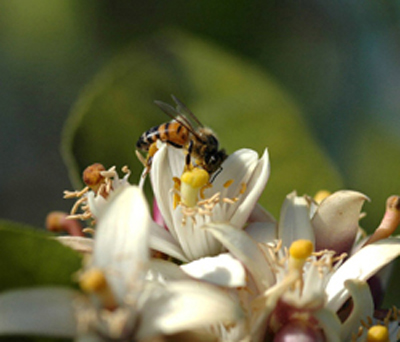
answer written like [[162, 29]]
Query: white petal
[[243, 247], [363, 307], [195, 242], [362, 265], [187, 305], [78, 243], [329, 323], [255, 186], [176, 160], [262, 232], [259, 214], [294, 221], [223, 270], [238, 167], [121, 240], [336, 221], [44, 311], [161, 180], [96, 203], [161, 240], [164, 271]]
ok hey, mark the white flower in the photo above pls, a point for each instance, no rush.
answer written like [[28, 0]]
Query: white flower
[[120, 303], [225, 202], [323, 279], [332, 224]]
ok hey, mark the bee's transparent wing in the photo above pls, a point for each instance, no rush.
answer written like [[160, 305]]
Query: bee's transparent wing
[[182, 109]]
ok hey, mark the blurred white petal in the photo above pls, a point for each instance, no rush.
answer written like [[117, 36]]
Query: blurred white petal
[[163, 270], [186, 306], [77, 243], [223, 270], [161, 240], [121, 241], [44, 311]]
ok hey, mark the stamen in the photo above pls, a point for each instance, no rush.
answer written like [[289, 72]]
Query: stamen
[[82, 217], [390, 220], [378, 333], [75, 194], [301, 249], [321, 195], [141, 158], [176, 199], [89, 230], [93, 281], [204, 188], [75, 207], [108, 173], [230, 200], [243, 188], [56, 221], [125, 169], [228, 183], [92, 176]]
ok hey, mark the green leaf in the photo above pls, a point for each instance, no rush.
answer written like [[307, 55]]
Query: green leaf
[[32, 258], [242, 103]]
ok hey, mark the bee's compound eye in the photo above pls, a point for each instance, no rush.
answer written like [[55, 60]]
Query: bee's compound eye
[[210, 159]]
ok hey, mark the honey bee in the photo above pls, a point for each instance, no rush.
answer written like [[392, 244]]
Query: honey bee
[[200, 142]]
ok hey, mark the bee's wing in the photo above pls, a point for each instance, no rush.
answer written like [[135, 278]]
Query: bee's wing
[[177, 116], [182, 109]]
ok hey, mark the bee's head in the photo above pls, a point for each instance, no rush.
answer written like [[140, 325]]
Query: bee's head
[[214, 160]]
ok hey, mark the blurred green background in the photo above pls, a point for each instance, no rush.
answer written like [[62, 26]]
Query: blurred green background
[[317, 82]]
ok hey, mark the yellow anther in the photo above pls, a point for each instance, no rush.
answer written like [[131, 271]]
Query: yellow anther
[[378, 333], [243, 188], [93, 281], [176, 197], [321, 195], [191, 183], [301, 249], [228, 183], [204, 188], [92, 176]]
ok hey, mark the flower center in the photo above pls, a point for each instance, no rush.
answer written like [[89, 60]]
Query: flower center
[[192, 183]]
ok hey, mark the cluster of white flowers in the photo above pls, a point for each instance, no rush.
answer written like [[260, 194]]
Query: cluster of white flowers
[[213, 265]]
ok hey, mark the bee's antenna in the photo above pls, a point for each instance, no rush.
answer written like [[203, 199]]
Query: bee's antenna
[[181, 108], [216, 174]]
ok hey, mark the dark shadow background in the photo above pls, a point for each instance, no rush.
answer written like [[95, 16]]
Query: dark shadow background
[[338, 59]]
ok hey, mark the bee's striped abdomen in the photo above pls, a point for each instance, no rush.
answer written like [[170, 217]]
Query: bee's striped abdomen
[[172, 133]]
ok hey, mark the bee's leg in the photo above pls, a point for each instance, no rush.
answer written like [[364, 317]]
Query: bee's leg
[[216, 174], [188, 158]]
